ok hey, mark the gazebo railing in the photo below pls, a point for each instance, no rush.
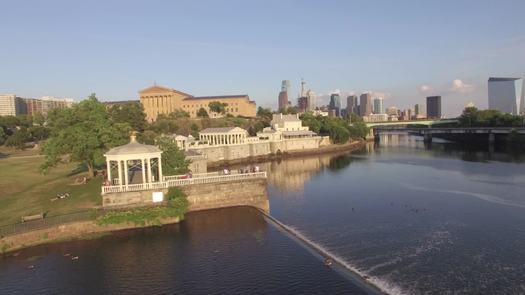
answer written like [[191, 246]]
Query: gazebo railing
[[171, 181]]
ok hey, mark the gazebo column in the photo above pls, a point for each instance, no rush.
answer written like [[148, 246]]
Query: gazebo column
[[108, 163], [126, 177], [143, 170], [160, 169], [149, 170], [119, 173]]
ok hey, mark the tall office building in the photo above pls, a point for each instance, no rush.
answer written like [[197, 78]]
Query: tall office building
[[506, 95], [417, 111], [11, 105], [283, 95], [335, 104], [351, 105], [302, 104], [365, 104], [312, 100], [378, 105], [434, 107]]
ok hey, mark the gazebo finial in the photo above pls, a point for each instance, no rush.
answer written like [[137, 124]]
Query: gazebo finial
[[133, 136]]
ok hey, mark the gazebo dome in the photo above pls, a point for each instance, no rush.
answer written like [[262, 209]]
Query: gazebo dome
[[133, 148]]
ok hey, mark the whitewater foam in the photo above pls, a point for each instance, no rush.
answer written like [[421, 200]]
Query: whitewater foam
[[383, 285]]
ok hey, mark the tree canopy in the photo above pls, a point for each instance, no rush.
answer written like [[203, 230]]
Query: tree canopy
[[339, 130], [218, 107], [264, 113], [84, 133], [173, 159], [131, 113], [202, 113], [472, 117]]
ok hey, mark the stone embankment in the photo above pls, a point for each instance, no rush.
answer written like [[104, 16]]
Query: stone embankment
[[66, 232], [332, 148]]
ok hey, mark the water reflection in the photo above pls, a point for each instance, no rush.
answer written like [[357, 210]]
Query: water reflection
[[224, 251]]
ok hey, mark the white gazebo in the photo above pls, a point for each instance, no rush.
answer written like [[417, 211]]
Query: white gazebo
[[135, 163]]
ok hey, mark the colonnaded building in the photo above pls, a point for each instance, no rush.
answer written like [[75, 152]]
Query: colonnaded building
[[161, 100]]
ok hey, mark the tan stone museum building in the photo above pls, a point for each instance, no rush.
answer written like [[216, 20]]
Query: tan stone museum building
[[161, 100]]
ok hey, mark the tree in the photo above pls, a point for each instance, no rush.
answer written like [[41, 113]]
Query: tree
[[84, 133], [18, 139], [39, 119], [358, 130], [194, 130], [131, 113], [3, 135], [264, 113], [218, 107], [38, 132], [177, 114], [173, 159], [312, 122], [202, 113]]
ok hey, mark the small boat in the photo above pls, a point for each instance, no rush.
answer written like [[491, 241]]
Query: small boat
[[67, 254], [74, 258], [328, 262]]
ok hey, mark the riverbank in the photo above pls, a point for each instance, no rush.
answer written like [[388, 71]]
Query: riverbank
[[83, 230], [332, 148]]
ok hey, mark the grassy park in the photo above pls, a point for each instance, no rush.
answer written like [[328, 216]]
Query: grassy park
[[26, 191]]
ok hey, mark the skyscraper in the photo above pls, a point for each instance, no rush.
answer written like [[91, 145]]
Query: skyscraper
[[434, 107], [365, 104], [351, 105], [335, 104], [302, 104], [506, 95], [283, 95], [312, 100], [378, 105], [417, 111]]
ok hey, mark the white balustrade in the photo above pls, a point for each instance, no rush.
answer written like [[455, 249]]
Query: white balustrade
[[178, 180]]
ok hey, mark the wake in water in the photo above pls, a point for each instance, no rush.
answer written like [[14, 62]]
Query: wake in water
[[382, 285], [484, 197]]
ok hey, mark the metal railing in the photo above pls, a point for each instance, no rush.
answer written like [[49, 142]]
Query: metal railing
[[47, 222], [171, 181]]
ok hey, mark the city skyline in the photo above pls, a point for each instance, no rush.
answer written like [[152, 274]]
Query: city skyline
[[116, 48]]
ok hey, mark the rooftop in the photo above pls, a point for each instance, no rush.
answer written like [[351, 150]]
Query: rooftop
[[221, 130], [217, 97], [132, 148], [498, 79]]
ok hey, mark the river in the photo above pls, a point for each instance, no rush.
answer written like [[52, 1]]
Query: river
[[413, 219]]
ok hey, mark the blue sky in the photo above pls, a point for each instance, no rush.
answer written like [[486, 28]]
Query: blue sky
[[402, 50]]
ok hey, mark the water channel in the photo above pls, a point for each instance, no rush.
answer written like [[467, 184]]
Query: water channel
[[411, 218]]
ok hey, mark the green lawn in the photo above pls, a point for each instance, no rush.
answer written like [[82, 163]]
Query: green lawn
[[25, 191]]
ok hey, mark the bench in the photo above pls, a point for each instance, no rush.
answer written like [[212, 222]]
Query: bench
[[33, 217]]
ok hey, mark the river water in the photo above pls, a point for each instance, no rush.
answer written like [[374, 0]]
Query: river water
[[413, 219]]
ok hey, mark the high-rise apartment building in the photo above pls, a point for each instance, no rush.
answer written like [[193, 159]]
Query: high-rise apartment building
[[11, 105], [506, 95], [46, 103], [283, 95], [335, 104], [378, 106], [417, 111], [365, 104], [434, 107], [351, 105]]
